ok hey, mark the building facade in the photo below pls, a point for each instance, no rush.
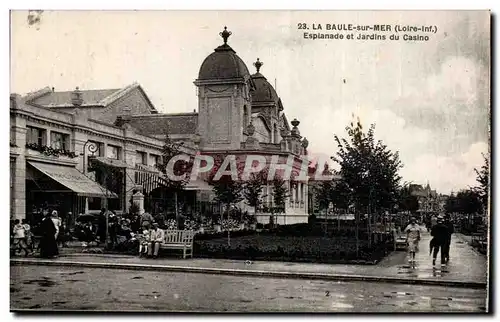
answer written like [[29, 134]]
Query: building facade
[[57, 137]]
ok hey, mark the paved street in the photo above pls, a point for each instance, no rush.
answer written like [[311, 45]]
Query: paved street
[[48, 288], [466, 265]]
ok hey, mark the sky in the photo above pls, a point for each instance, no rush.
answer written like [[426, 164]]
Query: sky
[[429, 100]]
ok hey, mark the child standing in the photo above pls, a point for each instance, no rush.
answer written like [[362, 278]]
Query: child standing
[[20, 237], [28, 235], [143, 242]]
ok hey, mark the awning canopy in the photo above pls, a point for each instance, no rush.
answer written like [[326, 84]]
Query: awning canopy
[[74, 180], [109, 162]]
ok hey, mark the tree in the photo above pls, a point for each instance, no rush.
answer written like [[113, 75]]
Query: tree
[[325, 191], [227, 190], [450, 206], [181, 168], [324, 194], [280, 194], [253, 188], [407, 201], [483, 178], [368, 172], [468, 202]]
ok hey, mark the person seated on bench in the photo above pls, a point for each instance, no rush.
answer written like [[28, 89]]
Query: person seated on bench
[[157, 237]]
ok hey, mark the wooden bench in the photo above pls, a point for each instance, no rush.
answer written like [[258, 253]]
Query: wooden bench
[[479, 240], [400, 242], [179, 239]]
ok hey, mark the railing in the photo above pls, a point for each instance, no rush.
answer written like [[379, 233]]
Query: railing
[[268, 207], [50, 151]]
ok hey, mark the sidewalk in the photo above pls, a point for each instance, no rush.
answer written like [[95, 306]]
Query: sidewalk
[[466, 268]]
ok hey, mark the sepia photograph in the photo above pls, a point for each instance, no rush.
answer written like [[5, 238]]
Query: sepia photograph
[[278, 161]]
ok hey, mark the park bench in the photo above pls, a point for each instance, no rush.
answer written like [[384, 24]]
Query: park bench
[[400, 242], [479, 240], [179, 239]]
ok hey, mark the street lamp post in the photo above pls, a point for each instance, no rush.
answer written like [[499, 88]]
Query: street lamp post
[[93, 148]]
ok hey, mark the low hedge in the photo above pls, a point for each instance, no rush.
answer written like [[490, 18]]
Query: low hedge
[[288, 248]]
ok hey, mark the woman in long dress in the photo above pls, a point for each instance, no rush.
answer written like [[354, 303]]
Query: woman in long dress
[[48, 244], [412, 238]]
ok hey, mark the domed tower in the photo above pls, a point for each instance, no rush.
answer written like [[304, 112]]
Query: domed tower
[[224, 102], [267, 104]]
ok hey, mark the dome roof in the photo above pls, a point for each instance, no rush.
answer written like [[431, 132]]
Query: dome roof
[[223, 63], [264, 91]]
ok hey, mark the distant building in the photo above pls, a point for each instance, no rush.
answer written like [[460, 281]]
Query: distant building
[[429, 201]]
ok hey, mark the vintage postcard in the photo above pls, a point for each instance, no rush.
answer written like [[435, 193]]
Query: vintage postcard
[[250, 161]]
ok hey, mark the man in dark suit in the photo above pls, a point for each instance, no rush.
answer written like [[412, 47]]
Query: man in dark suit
[[451, 230], [440, 234]]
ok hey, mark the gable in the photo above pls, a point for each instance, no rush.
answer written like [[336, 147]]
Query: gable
[[133, 102]]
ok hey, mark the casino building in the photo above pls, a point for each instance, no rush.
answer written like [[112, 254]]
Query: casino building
[[61, 141]]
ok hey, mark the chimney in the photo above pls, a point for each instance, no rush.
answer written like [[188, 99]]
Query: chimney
[[76, 97]]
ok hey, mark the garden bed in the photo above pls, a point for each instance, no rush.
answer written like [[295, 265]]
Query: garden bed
[[290, 249]]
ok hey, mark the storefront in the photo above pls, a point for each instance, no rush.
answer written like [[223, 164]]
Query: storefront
[[61, 188]]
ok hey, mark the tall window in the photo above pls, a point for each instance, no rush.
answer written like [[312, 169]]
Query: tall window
[[36, 135], [154, 159], [140, 158], [59, 141], [113, 152]]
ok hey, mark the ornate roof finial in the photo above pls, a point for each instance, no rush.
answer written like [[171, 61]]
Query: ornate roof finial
[[225, 34], [258, 64], [295, 123]]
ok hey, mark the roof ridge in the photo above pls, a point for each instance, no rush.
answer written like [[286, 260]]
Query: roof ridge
[[158, 115], [119, 93], [36, 94]]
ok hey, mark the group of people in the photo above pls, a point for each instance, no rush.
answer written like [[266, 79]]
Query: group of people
[[48, 230], [150, 240], [441, 230], [22, 237]]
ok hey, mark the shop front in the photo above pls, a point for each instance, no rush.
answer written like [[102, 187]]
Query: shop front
[[62, 188]]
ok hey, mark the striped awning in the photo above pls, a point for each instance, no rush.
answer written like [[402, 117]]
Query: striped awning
[[74, 180], [149, 180]]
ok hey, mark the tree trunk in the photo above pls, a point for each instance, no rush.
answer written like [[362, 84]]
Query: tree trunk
[[357, 233]]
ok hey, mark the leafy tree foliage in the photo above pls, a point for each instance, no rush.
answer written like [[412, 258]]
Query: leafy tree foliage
[[182, 168], [368, 171], [465, 202], [253, 188], [407, 201], [280, 192], [483, 178], [227, 190]]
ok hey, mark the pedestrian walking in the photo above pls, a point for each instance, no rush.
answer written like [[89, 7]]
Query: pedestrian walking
[[434, 221], [440, 236], [157, 237], [20, 238], [451, 229], [48, 244], [412, 238]]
